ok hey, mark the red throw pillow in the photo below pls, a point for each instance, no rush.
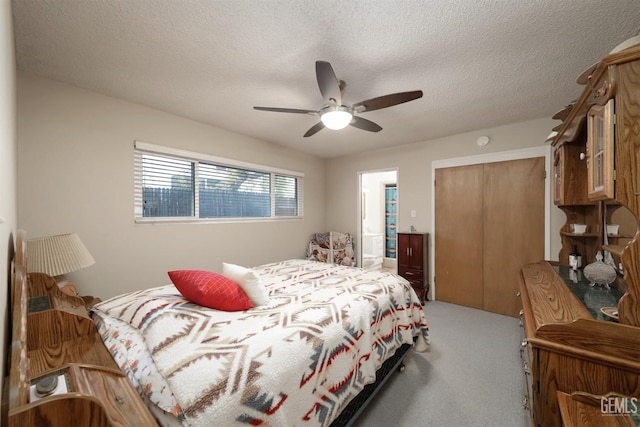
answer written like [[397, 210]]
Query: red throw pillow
[[210, 289]]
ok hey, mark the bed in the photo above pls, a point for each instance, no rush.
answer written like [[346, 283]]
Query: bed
[[313, 354]]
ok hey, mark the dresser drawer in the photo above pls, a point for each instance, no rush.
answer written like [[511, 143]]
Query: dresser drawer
[[411, 274], [417, 284], [416, 280], [528, 398]]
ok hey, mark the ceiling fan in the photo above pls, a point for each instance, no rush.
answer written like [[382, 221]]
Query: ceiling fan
[[335, 115]]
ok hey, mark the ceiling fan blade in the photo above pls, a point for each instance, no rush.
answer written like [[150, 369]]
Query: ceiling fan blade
[[328, 82], [364, 124], [285, 110], [314, 129], [387, 101]]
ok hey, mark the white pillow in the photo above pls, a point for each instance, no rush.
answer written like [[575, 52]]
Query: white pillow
[[249, 281]]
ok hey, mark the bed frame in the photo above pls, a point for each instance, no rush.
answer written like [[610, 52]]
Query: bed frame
[[357, 406], [59, 339]]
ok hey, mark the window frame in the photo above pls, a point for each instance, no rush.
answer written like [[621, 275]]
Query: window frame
[[140, 148]]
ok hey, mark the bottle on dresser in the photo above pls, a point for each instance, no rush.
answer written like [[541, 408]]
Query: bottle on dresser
[[575, 259]]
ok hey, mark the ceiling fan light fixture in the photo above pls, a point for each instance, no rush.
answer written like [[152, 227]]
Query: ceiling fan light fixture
[[335, 115], [337, 118]]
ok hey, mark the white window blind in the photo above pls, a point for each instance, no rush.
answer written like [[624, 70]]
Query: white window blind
[[173, 184], [286, 190], [232, 192]]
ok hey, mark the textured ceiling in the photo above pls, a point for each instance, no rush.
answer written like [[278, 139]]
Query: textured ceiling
[[480, 63]]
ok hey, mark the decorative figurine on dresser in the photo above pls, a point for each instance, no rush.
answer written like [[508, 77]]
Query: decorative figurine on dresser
[[582, 342]]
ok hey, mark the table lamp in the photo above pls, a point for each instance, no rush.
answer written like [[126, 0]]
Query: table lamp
[[57, 256]]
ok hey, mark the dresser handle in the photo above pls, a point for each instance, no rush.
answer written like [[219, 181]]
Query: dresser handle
[[521, 312], [119, 399], [524, 342], [525, 368], [525, 403], [518, 294]]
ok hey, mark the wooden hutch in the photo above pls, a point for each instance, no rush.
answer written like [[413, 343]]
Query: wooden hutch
[[572, 352]]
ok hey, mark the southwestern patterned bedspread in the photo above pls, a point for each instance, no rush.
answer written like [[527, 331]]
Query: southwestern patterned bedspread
[[297, 361]]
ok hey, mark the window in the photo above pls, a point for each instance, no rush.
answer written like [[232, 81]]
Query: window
[[173, 185]]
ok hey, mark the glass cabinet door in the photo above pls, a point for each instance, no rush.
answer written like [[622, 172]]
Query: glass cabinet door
[[600, 140], [558, 193]]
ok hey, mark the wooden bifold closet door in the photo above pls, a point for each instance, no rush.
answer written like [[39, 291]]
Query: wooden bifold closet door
[[489, 222]]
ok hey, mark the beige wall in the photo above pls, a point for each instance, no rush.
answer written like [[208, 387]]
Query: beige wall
[[75, 174], [8, 166], [414, 163]]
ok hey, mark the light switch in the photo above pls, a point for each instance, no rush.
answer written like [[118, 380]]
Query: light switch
[[413, 213]]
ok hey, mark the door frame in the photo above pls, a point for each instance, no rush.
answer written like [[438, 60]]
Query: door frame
[[359, 209], [500, 156]]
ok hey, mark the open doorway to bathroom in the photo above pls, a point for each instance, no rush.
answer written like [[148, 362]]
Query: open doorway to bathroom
[[378, 219]]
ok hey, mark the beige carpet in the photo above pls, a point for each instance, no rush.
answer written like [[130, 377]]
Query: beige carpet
[[471, 376]]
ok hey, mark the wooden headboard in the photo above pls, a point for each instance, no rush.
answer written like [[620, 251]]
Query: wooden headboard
[[18, 378], [64, 344]]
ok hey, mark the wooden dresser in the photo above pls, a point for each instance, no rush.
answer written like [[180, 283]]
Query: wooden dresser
[[569, 347], [55, 341], [413, 261], [590, 410]]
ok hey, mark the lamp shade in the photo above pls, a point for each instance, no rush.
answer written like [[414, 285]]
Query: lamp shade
[[57, 255]]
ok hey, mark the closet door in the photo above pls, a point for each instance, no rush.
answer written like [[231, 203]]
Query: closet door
[[513, 218], [459, 235], [489, 223]]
